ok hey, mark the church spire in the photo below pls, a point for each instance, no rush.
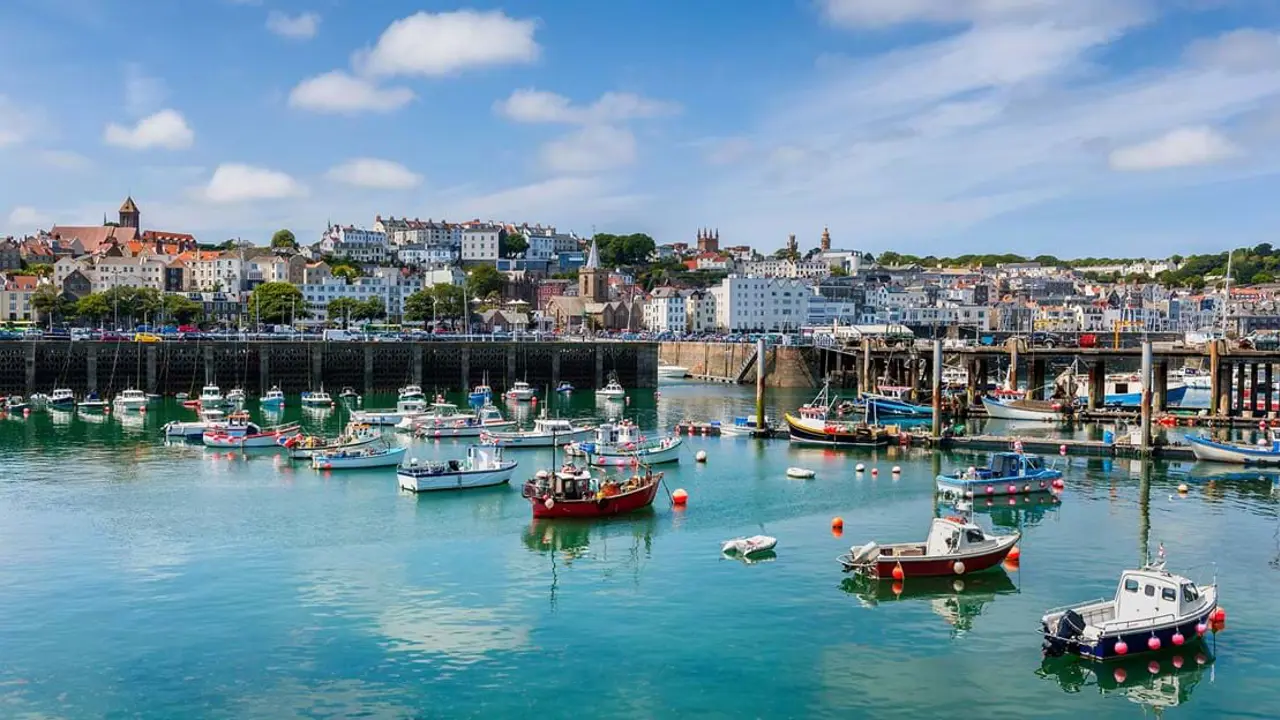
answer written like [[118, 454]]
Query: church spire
[[593, 259]]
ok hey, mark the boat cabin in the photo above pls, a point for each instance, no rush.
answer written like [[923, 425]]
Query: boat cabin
[[489, 414], [952, 535], [623, 433], [1149, 593], [1010, 464], [412, 405], [548, 426]]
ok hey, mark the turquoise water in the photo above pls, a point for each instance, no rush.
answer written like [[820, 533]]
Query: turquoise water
[[144, 580]]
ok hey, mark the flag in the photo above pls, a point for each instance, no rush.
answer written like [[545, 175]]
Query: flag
[[1160, 551]]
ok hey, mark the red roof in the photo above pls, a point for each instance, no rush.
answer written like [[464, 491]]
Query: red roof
[[22, 282], [92, 237]]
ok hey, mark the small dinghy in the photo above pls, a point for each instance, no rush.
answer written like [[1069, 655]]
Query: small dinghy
[[1152, 609], [748, 546], [801, 473], [1266, 452]]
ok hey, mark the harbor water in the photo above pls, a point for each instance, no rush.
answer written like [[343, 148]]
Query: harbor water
[[145, 580]]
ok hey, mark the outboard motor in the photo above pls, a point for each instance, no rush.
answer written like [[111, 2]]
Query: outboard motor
[[1070, 628]]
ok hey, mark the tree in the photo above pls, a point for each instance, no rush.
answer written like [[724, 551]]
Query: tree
[[93, 306], [1262, 276], [46, 301], [440, 301], [276, 302], [41, 270], [284, 239], [839, 271], [343, 309], [372, 309], [484, 280], [512, 244], [180, 308], [347, 272], [618, 250]]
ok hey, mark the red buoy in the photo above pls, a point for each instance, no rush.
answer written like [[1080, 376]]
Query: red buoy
[[837, 523], [897, 572], [1059, 484], [1122, 648], [1153, 643], [1014, 553], [1177, 662], [1178, 639], [1120, 675], [1153, 667], [1219, 615], [1012, 488], [680, 497], [897, 587], [990, 490], [1201, 628]]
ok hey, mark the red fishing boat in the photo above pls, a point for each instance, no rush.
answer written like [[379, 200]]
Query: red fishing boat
[[955, 546], [572, 492]]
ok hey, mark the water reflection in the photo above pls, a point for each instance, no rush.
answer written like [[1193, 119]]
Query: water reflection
[[1158, 682], [1012, 513], [958, 601], [617, 544]]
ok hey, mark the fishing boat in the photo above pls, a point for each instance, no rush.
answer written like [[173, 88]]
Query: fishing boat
[[521, 391], [564, 387], [62, 399], [358, 458], [954, 546], [439, 413], [673, 371], [890, 401], [621, 444], [211, 396], [274, 398], [1266, 452], [457, 425], [816, 423], [1026, 409], [248, 436], [348, 393], [188, 430], [302, 447], [613, 390], [131, 399], [180, 396], [403, 410], [318, 398], [412, 392], [38, 401], [93, 403], [481, 395], [16, 405], [235, 396], [746, 425], [1152, 609], [572, 492], [546, 432], [480, 468], [1194, 378], [1125, 390], [1007, 473]]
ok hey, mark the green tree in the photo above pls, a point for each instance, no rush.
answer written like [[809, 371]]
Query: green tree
[[93, 307], [512, 244], [372, 309], [46, 301], [347, 272], [180, 308], [40, 270], [277, 302], [839, 271], [442, 301], [484, 280], [1262, 276], [343, 309], [617, 250], [284, 239]]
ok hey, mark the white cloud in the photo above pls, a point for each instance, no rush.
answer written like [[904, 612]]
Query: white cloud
[[539, 106], [25, 219], [1245, 50], [143, 94], [434, 44], [338, 92], [302, 26], [165, 129], [15, 124], [1177, 148], [235, 182], [590, 149], [885, 13], [375, 173], [65, 160]]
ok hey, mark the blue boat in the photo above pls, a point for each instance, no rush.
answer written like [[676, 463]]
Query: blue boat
[[564, 387], [1125, 390], [890, 403], [1266, 452], [480, 396], [1009, 473]]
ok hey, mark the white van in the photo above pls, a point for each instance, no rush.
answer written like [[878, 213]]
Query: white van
[[339, 336]]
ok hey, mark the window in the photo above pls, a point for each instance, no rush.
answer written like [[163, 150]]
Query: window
[[1190, 593], [1131, 585], [1149, 591], [1168, 594]]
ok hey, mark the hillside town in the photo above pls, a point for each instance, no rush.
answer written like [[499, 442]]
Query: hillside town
[[489, 276]]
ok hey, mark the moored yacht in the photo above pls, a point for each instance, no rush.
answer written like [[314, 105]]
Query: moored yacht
[[131, 399], [546, 432]]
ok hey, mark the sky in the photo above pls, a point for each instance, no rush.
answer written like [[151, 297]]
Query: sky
[[1071, 127]]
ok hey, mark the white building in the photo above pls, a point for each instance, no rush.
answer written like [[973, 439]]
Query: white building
[[761, 304], [480, 243], [143, 271], [418, 255], [387, 285], [665, 311], [353, 243], [215, 271], [827, 311], [700, 311], [15, 300], [429, 233], [970, 316], [541, 247]]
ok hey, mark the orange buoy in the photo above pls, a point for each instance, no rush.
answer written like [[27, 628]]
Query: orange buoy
[[1219, 615], [837, 522], [897, 573], [1014, 553], [837, 532], [680, 497], [897, 587]]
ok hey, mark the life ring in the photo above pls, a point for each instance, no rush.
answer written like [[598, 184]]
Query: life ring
[[549, 503]]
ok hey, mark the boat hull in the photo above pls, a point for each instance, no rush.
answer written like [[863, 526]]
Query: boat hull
[[992, 487], [592, 508], [537, 440], [308, 453], [940, 566], [655, 456], [388, 459], [444, 431], [1105, 648], [270, 439], [879, 407], [462, 480], [1214, 451], [819, 432], [1002, 411]]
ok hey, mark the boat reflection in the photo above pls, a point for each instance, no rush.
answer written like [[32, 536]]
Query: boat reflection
[[957, 600], [1160, 681], [1012, 513], [577, 541]]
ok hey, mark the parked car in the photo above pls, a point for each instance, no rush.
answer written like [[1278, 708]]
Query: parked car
[[146, 337], [1049, 340]]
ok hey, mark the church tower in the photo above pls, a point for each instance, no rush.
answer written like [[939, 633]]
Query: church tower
[[130, 216], [825, 243], [593, 281]]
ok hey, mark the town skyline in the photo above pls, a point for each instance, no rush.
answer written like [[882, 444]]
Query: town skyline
[[917, 127]]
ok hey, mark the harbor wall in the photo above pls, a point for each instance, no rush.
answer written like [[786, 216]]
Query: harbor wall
[[785, 366], [170, 367]]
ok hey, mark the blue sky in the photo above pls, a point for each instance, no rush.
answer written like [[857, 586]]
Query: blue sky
[[1073, 127]]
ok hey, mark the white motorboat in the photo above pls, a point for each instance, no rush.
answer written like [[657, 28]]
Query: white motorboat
[[1266, 452], [358, 458], [521, 390], [62, 399], [673, 371], [621, 444], [546, 432], [38, 401], [303, 447], [274, 398], [800, 473], [130, 399], [195, 430], [211, 396], [412, 392], [1024, 409], [480, 468], [1125, 390], [745, 547], [441, 414], [235, 396], [1195, 378], [745, 425], [487, 418], [16, 405], [1151, 609], [404, 409], [232, 437], [93, 403], [320, 398], [613, 390]]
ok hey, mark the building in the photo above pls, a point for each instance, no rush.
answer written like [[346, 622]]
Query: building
[[480, 242], [143, 271], [264, 265], [419, 254], [130, 215], [592, 308], [541, 247], [209, 270], [388, 285], [15, 302], [708, 242], [10, 254], [665, 311], [761, 304], [75, 285], [699, 311], [824, 243], [355, 244]]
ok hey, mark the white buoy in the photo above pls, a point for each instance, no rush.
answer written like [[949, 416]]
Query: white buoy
[[860, 467], [701, 456], [897, 469]]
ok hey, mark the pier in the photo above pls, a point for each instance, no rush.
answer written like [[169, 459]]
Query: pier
[[369, 367]]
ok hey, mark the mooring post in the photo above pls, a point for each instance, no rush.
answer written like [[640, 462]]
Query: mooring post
[[1011, 381], [865, 382], [91, 367], [1147, 381], [1214, 378], [1097, 383], [760, 371], [1161, 398], [31, 367], [151, 368], [937, 389], [264, 367], [974, 372]]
